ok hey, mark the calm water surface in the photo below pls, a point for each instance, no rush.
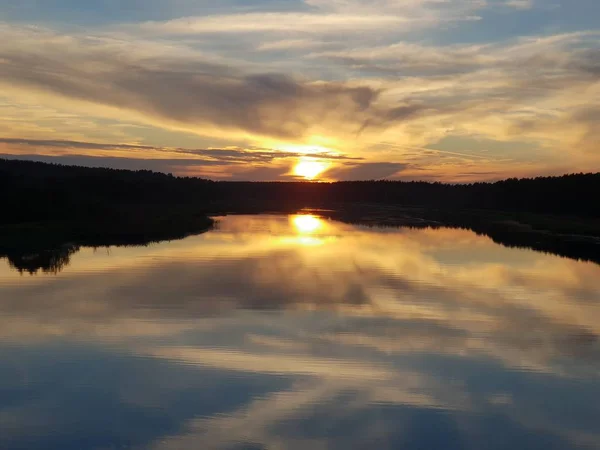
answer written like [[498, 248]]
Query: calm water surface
[[276, 332]]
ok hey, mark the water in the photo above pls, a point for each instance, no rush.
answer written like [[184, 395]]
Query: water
[[275, 332]]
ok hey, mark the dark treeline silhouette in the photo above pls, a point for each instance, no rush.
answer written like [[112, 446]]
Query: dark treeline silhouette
[[34, 191], [48, 260], [507, 233], [54, 258], [49, 210]]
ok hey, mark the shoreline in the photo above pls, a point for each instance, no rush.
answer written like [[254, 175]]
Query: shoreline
[[47, 246]]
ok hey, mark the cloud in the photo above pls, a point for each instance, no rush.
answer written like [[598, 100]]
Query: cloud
[[239, 169], [483, 90], [72, 144], [261, 22], [325, 17], [231, 163], [186, 93], [217, 154], [157, 165], [365, 171], [490, 90], [535, 90], [520, 4]]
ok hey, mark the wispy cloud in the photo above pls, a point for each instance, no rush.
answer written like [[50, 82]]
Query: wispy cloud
[[326, 17], [219, 154], [344, 73], [188, 93], [231, 163], [365, 171], [520, 4]]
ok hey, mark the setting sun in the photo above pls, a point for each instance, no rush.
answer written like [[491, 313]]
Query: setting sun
[[309, 169]]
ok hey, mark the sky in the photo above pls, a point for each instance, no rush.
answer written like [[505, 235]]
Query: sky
[[438, 90]]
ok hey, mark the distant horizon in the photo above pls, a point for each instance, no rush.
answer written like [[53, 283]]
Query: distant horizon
[[61, 161], [262, 90]]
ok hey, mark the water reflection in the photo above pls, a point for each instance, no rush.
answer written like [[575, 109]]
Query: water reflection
[[306, 223], [310, 230], [246, 337], [48, 260]]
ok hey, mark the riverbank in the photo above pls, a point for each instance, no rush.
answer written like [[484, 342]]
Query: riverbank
[[48, 245], [571, 237]]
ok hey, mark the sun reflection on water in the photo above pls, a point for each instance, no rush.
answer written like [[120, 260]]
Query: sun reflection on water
[[307, 223], [308, 229]]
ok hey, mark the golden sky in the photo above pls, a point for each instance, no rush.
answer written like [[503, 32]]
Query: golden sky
[[454, 90]]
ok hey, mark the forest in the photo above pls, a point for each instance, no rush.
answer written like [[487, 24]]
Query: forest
[[35, 191], [50, 211]]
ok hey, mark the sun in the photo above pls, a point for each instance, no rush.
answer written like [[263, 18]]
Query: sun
[[309, 168]]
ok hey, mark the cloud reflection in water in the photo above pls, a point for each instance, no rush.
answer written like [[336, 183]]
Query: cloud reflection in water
[[393, 338]]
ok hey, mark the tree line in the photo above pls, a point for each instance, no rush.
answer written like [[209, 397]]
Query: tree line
[[36, 191]]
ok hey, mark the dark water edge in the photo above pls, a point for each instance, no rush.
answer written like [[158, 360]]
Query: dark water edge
[[48, 246], [569, 237]]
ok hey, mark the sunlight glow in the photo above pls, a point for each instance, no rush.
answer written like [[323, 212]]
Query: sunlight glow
[[303, 241], [307, 149], [309, 169], [312, 145], [307, 224]]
